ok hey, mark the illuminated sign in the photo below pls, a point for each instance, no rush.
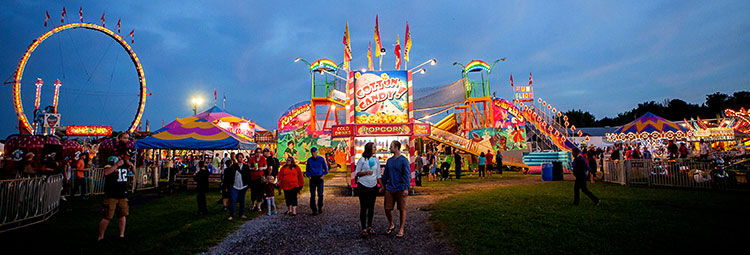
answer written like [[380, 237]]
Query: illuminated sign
[[381, 97], [88, 130], [295, 117], [421, 129], [343, 131], [241, 128], [524, 93]]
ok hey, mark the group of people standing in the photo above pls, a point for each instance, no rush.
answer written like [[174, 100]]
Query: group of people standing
[[437, 167]]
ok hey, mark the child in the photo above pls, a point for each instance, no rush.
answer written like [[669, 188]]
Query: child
[[270, 187]]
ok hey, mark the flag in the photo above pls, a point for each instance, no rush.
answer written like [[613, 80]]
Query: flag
[[397, 51], [103, 20], [511, 80], [80, 14], [347, 48], [378, 43], [407, 43], [530, 79], [369, 56], [46, 18], [118, 25], [62, 19], [132, 36], [147, 126], [215, 96]]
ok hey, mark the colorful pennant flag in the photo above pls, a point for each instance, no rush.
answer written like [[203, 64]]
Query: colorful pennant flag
[[46, 18], [80, 14], [397, 51], [530, 79], [369, 56], [407, 43], [511, 80], [103, 20], [118, 25], [62, 19], [132, 36], [378, 43], [347, 48]]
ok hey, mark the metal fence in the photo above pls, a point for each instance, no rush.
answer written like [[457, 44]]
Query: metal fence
[[672, 173], [28, 201], [92, 182]]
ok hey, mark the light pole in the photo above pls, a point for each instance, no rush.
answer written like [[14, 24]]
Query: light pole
[[304, 61], [431, 62], [196, 101]]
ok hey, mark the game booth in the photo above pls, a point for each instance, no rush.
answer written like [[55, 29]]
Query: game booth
[[380, 111]]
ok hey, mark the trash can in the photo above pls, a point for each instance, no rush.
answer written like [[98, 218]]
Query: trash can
[[557, 171], [547, 171]]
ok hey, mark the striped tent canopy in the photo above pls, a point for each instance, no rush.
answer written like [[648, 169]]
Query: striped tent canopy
[[209, 130], [649, 127]]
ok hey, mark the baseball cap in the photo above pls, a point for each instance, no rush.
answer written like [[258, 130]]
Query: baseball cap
[[266, 150], [314, 149]]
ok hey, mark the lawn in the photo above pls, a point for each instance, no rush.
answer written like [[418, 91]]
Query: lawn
[[473, 178], [539, 219], [156, 225]]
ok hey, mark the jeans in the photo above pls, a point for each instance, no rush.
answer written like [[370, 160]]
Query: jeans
[[458, 171], [581, 185], [366, 204], [235, 196], [316, 183], [202, 202], [256, 191], [291, 196], [481, 170], [81, 184]]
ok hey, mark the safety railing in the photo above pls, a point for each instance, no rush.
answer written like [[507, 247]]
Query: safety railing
[[670, 173], [92, 182], [28, 201]]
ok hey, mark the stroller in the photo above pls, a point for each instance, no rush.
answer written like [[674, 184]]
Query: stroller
[[444, 171]]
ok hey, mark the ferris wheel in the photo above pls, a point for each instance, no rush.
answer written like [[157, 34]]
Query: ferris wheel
[[23, 121]]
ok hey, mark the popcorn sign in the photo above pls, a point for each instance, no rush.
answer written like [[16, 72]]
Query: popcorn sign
[[381, 97]]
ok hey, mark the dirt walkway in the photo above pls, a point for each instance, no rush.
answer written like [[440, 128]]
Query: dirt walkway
[[337, 230]]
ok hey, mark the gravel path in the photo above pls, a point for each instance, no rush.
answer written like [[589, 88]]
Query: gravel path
[[336, 231]]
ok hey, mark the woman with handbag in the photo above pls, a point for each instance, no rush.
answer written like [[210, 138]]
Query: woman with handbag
[[368, 178]]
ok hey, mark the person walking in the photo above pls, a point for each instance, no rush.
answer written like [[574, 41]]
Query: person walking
[[418, 165], [591, 157], [258, 166], [216, 163], [316, 170], [116, 192], [432, 159], [291, 182], [583, 173], [82, 181], [201, 180], [396, 181], [368, 177], [236, 179], [482, 164], [489, 166], [499, 163]]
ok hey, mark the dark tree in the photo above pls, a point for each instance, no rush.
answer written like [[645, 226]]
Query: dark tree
[[580, 118]]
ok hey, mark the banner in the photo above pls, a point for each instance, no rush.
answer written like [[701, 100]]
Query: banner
[[381, 97], [296, 117], [296, 140], [509, 132], [88, 130]]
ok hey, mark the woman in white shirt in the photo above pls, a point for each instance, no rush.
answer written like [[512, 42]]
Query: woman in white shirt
[[368, 177]]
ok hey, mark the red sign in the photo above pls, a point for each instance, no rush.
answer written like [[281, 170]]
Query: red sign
[[421, 129], [88, 130], [343, 131], [385, 129]]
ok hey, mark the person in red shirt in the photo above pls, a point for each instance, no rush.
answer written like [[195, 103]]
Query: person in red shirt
[[291, 182], [257, 168]]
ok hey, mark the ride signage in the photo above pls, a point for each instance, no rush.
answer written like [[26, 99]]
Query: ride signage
[[399, 129], [88, 130]]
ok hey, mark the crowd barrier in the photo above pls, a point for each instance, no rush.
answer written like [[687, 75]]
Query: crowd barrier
[[27, 201], [671, 173], [92, 182]]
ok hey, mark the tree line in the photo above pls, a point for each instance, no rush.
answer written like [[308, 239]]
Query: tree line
[[670, 109]]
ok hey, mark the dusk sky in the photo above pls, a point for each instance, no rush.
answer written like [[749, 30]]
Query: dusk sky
[[602, 57]]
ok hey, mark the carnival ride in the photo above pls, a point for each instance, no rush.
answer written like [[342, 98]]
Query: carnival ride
[[24, 125]]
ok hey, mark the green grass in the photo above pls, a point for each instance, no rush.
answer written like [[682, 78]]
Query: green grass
[[539, 219], [473, 178], [156, 225]]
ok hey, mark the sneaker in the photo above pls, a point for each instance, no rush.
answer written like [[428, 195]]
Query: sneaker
[[274, 211], [269, 213]]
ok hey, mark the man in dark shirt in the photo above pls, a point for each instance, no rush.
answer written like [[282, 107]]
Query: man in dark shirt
[[396, 181], [201, 181], [316, 170], [581, 171], [115, 191], [271, 162]]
